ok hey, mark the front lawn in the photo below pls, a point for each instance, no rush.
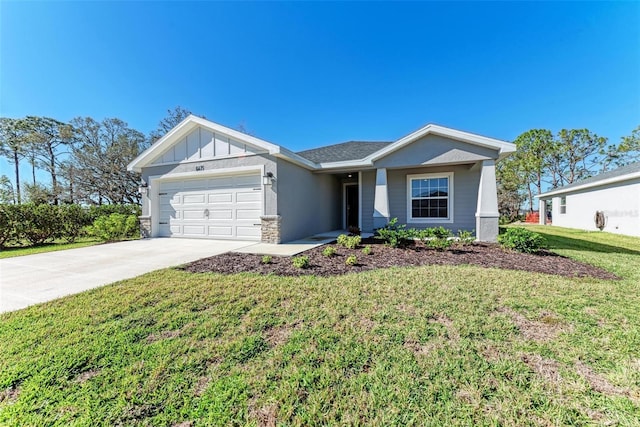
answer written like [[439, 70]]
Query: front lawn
[[431, 345], [58, 245]]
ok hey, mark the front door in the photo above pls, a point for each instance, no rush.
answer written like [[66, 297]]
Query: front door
[[351, 205]]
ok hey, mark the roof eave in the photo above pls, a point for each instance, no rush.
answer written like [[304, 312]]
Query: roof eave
[[613, 180]]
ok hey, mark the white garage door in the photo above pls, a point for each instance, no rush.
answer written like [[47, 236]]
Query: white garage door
[[226, 207]]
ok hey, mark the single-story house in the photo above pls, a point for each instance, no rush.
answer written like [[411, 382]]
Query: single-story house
[[616, 194], [205, 180]]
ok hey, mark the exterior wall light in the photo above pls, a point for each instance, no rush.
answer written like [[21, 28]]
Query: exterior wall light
[[268, 178], [143, 189]]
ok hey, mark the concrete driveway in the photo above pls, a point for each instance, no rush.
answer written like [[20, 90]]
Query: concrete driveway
[[33, 279]]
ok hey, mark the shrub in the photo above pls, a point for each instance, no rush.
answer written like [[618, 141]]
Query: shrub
[[9, 220], [367, 250], [439, 243], [73, 219], [349, 242], [521, 240], [39, 223], [351, 260], [301, 261], [266, 259], [465, 237], [96, 211], [115, 227], [395, 235], [329, 251], [353, 230]]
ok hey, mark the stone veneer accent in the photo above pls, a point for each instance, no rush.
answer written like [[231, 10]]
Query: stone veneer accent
[[270, 228], [145, 226]]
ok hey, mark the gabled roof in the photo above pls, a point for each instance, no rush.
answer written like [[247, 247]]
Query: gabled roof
[[351, 150], [352, 154], [623, 173], [191, 122]]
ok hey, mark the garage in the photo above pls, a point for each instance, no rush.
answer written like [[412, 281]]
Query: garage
[[219, 207]]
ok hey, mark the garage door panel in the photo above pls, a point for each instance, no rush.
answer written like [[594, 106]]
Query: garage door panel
[[249, 196], [221, 214], [226, 207], [249, 214], [193, 230], [193, 214], [217, 231], [194, 198], [221, 198]]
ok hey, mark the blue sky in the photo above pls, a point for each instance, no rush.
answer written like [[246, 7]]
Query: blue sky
[[306, 74]]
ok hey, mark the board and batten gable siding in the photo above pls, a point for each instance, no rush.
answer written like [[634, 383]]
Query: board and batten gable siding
[[217, 166], [465, 195], [309, 203], [433, 150], [203, 144], [619, 201]]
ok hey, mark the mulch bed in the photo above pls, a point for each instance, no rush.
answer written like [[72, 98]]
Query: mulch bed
[[481, 254]]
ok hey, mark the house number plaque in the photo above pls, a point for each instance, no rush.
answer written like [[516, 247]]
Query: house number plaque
[[199, 168]]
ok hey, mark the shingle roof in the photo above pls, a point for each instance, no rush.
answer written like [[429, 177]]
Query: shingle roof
[[616, 173], [352, 150]]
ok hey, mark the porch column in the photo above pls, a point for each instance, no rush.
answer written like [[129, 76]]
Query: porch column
[[542, 211], [381, 214], [487, 211]]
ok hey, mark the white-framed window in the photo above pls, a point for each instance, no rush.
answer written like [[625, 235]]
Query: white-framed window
[[563, 204], [430, 197]]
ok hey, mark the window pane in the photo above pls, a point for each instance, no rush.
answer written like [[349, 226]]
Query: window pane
[[430, 197]]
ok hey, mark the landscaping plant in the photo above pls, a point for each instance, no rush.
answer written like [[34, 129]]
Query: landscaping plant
[[349, 242], [465, 237], [301, 261], [351, 260], [266, 259], [367, 250], [329, 251], [395, 234], [115, 227], [521, 240]]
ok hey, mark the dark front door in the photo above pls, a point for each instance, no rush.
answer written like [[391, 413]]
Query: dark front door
[[351, 205]]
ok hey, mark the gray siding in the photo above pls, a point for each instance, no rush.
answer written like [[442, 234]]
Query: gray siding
[[308, 203], [465, 194], [368, 192], [209, 165], [434, 150]]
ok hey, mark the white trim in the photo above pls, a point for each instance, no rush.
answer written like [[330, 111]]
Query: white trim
[[344, 203], [360, 200], [607, 181], [191, 122], [155, 180], [450, 199], [182, 162]]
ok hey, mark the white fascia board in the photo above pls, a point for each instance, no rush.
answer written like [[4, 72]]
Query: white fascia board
[[286, 154], [503, 147], [189, 123], [589, 185]]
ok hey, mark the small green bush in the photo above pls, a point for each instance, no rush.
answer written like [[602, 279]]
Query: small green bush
[[521, 240], [115, 227], [9, 220], [465, 237], [39, 223], [395, 235], [349, 242], [301, 261], [73, 219], [266, 259], [329, 251], [439, 244], [367, 250], [351, 260]]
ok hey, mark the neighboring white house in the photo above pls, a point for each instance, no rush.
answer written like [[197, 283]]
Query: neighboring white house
[[615, 193]]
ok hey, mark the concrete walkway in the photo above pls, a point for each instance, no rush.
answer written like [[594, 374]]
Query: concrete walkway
[[296, 246], [33, 279]]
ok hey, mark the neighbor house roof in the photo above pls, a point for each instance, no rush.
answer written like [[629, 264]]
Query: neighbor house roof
[[623, 173], [352, 150]]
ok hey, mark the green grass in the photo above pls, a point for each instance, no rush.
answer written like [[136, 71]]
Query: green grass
[[434, 345], [59, 245]]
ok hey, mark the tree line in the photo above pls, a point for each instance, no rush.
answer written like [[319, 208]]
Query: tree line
[[86, 159], [545, 161]]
